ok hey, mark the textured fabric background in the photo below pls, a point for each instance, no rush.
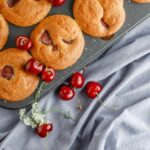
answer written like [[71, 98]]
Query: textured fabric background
[[124, 71]]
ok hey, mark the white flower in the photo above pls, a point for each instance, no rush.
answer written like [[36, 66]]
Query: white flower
[[29, 122], [22, 113], [26, 119], [35, 108], [38, 117]]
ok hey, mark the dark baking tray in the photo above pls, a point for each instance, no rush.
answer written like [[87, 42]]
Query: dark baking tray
[[135, 13]]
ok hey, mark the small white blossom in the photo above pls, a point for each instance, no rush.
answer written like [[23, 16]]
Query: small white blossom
[[27, 121], [35, 108], [37, 117], [22, 113]]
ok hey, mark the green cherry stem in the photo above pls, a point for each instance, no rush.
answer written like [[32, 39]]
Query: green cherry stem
[[84, 69], [79, 107], [46, 143], [79, 104]]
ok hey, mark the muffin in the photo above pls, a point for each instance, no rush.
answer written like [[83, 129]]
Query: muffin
[[57, 42], [24, 12], [15, 83], [99, 18]]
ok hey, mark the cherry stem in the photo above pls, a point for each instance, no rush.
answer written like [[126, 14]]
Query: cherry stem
[[115, 108], [84, 69], [79, 105], [46, 143]]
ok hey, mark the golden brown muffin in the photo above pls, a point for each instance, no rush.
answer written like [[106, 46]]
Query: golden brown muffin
[[57, 42], [24, 12], [99, 18], [15, 83], [141, 1], [4, 31]]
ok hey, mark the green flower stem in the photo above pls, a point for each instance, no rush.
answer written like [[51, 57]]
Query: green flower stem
[[38, 94], [66, 115]]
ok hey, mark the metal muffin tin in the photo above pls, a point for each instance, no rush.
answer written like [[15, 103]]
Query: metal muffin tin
[[135, 13]]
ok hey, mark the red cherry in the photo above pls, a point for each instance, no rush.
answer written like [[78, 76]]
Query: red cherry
[[22, 42], [93, 89], [34, 66], [48, 74], [77, 80], [66, 93], [44, 129], [57, 2]]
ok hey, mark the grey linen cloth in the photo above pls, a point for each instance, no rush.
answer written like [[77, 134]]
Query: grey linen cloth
[[124, 71]]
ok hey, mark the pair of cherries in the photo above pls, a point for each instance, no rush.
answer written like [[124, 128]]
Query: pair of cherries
[[44, 129], [34, 66], [76, 81]]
